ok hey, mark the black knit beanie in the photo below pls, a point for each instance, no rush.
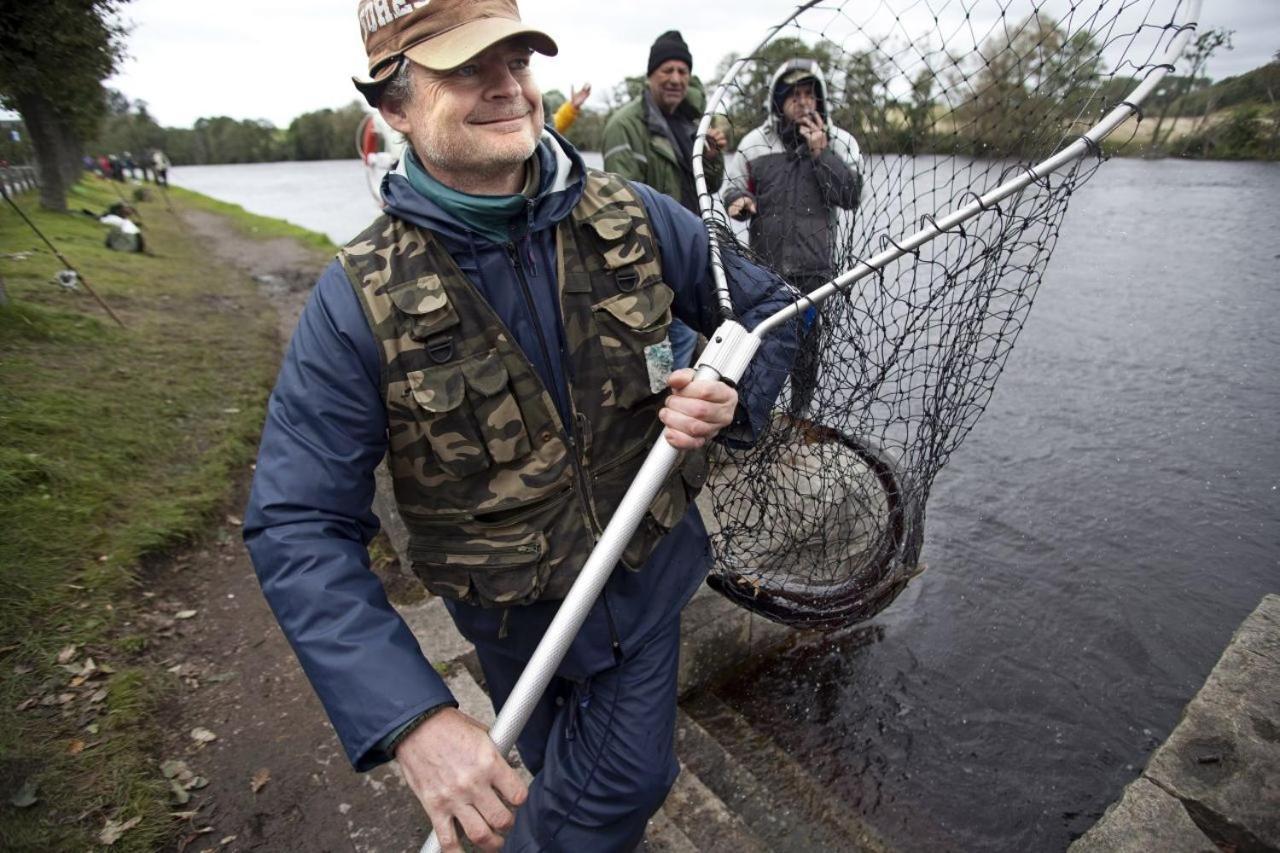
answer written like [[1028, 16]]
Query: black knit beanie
[[670, 45]]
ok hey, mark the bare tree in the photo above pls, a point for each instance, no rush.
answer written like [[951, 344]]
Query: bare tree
[[1197, 54]]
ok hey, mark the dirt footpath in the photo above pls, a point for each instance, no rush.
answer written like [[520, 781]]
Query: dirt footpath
[[249, 743]]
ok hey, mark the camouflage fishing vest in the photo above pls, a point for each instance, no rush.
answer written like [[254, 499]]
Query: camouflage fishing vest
[[504, 501]]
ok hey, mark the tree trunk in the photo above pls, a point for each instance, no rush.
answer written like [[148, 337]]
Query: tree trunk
[[72, 150], [47, 141]]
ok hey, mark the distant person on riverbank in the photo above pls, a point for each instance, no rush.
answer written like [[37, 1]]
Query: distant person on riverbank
[[571, 109], [791, 176], [500, 334], [651, 140], [160, 165]]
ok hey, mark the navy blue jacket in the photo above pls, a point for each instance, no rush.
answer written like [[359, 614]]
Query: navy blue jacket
[[309, 517]]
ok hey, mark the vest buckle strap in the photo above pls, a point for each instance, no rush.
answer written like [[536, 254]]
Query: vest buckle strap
[[627, 279], [440, 348]]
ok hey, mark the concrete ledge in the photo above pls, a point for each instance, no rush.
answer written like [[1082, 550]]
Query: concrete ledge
[[1146, 818], [1219, 770]]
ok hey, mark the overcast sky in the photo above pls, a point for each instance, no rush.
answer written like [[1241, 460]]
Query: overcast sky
[[275, 59]]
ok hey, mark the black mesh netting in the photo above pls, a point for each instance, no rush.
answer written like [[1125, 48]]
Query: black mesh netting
[[821, 523]]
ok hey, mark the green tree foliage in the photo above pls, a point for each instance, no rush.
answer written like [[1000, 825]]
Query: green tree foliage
[[918, 112], [324, 134], [1246, 134], [127, 127], [1018, 84], [587, 133], [625, 92], [15, 147], [222, 139], [54, 56], [1250, 131], [1261, 86]]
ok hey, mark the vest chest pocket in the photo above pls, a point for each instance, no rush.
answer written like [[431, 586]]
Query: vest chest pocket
[[472, 419], [633, 333]]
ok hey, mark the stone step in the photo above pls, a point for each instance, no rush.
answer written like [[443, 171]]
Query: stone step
[[800, 805], [777, 821], [706, 820], [663, 836]]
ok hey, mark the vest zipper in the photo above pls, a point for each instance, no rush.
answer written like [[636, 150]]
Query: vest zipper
[[569, 431]]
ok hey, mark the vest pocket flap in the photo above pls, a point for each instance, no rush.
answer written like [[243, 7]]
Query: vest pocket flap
[[610, 225], [486, 376], [640, 309], [477, 553], [618, 232], [480, 571], [426, 300], [439, 390], [497, 412]]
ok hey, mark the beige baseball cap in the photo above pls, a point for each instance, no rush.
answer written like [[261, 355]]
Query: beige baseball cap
[[437, 34]]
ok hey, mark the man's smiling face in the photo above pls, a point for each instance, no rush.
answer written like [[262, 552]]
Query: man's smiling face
[[479, 119]]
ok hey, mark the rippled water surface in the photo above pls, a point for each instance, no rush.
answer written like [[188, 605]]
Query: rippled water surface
[[1091, 547]]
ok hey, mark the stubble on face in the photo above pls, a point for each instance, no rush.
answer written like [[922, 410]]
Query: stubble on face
[[477, 124], [668, 84], [800, 101]]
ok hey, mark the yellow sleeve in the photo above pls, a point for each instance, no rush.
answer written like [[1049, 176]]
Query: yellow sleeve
[[565, 117]]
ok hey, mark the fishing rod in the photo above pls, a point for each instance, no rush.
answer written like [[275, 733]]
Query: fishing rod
[[115, 186], [164, 191], [105, 307], [732, 347]]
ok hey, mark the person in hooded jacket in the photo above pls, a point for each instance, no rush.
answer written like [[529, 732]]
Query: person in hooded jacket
[[499, 334], [791, 177]]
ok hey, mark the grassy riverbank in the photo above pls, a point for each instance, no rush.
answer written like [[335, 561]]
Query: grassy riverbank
[[118, 446]]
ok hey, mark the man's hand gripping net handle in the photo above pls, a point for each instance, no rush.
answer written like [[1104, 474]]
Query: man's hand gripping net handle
[[726, 357]]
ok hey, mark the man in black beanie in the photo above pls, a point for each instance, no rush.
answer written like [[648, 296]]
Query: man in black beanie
[[651, 140]]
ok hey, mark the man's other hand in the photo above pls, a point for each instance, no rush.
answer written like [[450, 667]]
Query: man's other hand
[[457, 774], [742, 207], [716, 141], [696, 410]]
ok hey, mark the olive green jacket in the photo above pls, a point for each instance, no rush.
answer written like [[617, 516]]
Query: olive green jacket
[[638, 146]]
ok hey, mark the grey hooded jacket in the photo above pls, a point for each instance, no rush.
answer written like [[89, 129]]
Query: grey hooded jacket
[[798, 197]]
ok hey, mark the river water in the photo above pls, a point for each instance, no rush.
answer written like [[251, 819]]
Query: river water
[[1091, 547]]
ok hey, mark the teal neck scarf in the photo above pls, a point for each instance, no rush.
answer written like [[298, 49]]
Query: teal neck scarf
[[487, 215]]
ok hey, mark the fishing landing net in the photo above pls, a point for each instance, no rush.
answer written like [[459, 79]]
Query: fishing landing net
[[821, 523]]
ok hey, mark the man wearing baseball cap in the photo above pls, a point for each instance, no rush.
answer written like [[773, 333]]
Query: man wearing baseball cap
[[500, 334]]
